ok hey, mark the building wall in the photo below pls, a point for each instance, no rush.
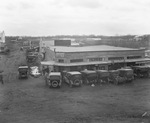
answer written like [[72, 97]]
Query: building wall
[[63, 57], [105, 55]]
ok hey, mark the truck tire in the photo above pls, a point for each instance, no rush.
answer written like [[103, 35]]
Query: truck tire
[[55, 84]]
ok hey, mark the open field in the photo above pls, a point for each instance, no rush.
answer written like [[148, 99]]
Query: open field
[[30, 101]]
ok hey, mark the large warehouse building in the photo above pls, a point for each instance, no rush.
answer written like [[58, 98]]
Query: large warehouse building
[[92, 57]]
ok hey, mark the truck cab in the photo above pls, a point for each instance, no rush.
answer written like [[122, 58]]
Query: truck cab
[[115, 78], [127, 73], [23, 72], [73, 78], [103, 76], [141, 71], [89, 76], [54, 79]]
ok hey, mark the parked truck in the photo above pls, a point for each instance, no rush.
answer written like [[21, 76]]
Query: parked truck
[[89, 76]]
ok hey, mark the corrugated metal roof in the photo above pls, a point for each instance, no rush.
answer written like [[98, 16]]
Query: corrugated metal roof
[[89, 48], [72, 64], [23, 66], [74, 72], [92, 63], [55, 74]]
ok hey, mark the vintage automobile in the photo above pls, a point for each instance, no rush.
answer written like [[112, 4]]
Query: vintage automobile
[[23, 72], [53, 79], [141, 71], [89, 76], [73, 78], [115, 78], [31, 58], [127, 74], [103, 76]]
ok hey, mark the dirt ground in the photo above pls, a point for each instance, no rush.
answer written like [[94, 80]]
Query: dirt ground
[[30, 101]]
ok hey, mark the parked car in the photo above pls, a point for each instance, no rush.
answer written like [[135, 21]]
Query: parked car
[[73, 78], [53, 79], [127, 74], [103, 76], [23, 72], [31, 58], [115, 78], [141, 71], [89, 76]]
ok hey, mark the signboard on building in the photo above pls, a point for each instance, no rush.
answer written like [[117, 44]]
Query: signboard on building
[[62, 42]]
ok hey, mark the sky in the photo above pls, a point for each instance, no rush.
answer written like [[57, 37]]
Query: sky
[[74, 17]]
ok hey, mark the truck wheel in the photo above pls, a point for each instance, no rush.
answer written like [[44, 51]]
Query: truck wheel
[[54, 84]]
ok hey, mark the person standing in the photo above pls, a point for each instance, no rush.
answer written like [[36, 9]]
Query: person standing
[[47, 70], [1, 77]]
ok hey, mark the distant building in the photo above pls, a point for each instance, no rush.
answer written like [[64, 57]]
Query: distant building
[[2, 41], [2, 37], [92, 57], [58, 42]]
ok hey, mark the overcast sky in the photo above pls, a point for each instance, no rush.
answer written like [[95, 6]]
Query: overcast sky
[[72, 17]]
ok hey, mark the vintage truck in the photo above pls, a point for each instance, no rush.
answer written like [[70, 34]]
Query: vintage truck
[[73, 78], [103, 76], [89, 76], [127, 74], [115, 78], [31, 57], [53, 79], [141, 71], [23, 72]]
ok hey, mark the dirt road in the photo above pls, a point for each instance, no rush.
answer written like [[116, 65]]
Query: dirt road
[[31, 101]]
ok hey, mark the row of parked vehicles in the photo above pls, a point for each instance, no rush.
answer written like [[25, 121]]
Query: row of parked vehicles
[[31, 67], [75, 78]]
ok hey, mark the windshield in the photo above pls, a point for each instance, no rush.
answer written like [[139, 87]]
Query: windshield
[[23, 69], [54, 77], [129, 72], [103, 74], [76, 76], [92, 75], [31, 56], [143, 69]]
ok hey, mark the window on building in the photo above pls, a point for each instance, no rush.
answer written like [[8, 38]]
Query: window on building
[[134, 57], [61, 60], [96, 59], [115, 58], [76, 60]]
